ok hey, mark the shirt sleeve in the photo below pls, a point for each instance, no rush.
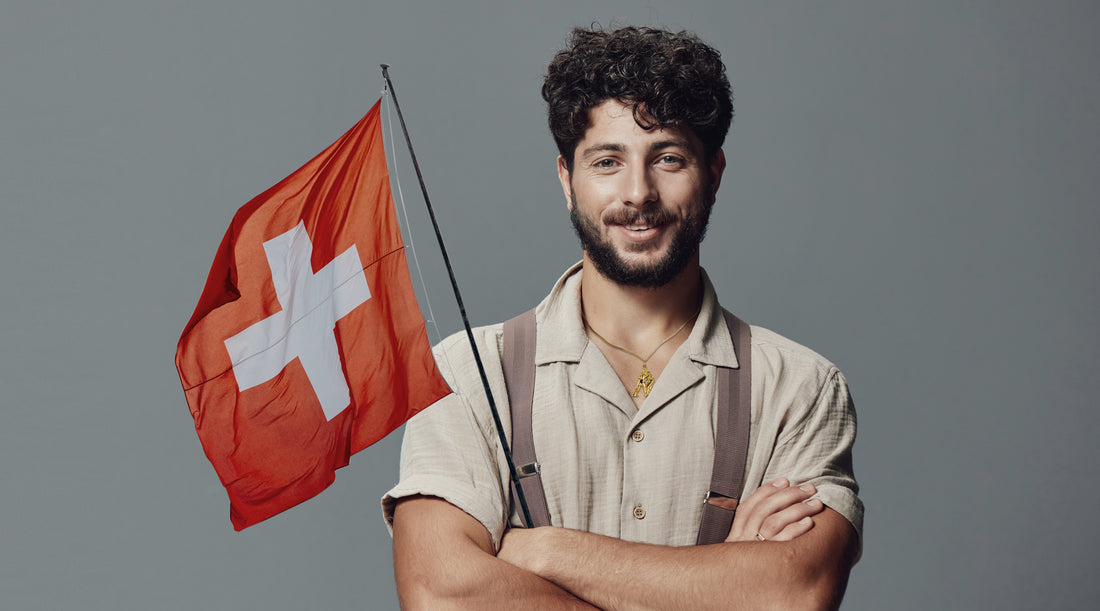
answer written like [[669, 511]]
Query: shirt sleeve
[[450, 448], [817, 449]]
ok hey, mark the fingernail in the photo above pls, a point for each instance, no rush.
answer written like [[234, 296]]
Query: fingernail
[[815, 502], [806, 520], [806, 488], [780, 483]]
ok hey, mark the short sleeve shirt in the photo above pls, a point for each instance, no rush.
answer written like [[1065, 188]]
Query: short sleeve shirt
[[609, 468]]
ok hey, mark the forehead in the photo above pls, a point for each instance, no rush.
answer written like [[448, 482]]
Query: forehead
[[612, 124]]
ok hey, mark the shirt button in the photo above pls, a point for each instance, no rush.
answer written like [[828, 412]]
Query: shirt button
[[639, 512], [638, 435]]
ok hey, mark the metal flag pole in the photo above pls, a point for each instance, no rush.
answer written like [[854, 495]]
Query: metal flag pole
[[461, 308]]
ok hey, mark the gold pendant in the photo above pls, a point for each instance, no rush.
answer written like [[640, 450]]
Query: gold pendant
[[645, 382]]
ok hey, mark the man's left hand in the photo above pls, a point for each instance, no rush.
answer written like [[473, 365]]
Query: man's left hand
[[776, 511]]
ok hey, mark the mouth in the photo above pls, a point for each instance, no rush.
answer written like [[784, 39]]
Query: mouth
[[641, 231]]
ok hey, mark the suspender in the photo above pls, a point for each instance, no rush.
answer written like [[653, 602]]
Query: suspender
[[731, 444], [519, 376]]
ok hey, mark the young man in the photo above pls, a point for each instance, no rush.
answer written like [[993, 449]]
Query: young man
[[629, 343]]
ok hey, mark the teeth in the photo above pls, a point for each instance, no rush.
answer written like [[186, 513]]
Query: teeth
[[637, 227]]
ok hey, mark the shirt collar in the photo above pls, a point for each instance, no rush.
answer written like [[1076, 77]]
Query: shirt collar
[[562, 337]]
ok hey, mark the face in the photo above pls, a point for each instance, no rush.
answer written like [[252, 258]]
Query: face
[[639, 199]]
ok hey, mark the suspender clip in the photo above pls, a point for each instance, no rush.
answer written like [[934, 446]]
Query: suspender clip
[[706, 498], [531, 468]]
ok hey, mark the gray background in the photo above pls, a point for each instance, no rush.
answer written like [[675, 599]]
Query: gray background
[[911, 191]]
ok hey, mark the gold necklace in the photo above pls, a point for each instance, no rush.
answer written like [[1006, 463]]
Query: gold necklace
[[645, 378]]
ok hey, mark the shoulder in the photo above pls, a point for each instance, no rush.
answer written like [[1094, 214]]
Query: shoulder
[[795, 384], [455, 357], [458, 342], [776, 354]]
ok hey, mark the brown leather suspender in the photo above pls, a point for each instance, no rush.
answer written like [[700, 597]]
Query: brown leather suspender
[[731, 438], [518, 363], [731, 445]]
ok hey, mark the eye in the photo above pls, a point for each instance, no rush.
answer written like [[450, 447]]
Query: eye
[[606, 165], [670, 160]]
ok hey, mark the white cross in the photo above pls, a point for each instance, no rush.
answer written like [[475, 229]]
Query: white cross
[[304, 328]]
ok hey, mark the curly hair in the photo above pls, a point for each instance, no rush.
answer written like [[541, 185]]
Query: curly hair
[[669, 79]]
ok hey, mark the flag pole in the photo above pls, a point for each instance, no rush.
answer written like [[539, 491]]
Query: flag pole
[[461, 308]]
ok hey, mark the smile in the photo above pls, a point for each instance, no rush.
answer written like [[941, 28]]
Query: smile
[[641, 233]]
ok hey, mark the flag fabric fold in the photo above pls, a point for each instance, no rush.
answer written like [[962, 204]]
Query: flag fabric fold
[[307, 344]]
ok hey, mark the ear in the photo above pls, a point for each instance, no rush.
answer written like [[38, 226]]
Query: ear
[[717, 167], [566, 182]]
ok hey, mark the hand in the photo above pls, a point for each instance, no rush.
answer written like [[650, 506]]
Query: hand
[[776, 511]]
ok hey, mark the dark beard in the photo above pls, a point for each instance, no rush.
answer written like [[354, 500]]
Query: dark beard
[[685, 243]]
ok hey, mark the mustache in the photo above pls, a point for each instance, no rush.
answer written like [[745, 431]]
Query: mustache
[[636, 217]]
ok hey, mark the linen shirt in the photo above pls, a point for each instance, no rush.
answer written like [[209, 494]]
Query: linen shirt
[[610, 468]]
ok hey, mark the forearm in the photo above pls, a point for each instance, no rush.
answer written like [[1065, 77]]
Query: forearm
[[443, 559], [807, 573]]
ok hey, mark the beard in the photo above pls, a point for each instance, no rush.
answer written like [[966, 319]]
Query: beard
[[612, 265]]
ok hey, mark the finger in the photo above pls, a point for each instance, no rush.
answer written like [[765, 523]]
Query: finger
[[762, 502], [741, 530], [782, 499], [774, 503], [778, 521], [762, 493], [792, 531]]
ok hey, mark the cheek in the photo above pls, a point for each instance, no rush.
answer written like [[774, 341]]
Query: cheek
[[594, 195]]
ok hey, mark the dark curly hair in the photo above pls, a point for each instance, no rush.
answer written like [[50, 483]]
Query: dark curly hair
[[669, 79]]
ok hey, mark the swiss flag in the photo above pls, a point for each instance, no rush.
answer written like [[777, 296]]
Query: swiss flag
[[307, 344]]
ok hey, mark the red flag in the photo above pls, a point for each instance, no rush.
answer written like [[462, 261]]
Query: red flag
[[307, 344]]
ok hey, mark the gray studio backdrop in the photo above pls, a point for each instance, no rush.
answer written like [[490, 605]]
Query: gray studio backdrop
[[912, 191]]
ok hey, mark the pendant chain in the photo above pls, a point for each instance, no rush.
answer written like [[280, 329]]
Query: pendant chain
[[645, 378]]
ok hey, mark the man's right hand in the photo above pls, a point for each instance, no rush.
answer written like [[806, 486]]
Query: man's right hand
[[776, 511]]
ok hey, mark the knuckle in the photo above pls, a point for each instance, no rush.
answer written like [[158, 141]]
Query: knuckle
[[784, 535], [772, 523]]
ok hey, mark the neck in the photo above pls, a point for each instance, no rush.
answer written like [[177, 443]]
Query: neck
[[635, 317]]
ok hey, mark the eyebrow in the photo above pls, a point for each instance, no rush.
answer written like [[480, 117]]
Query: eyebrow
[[602, 147], [671, 142], [619, 148]]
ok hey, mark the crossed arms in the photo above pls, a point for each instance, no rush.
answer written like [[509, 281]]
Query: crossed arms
[[444, 559]]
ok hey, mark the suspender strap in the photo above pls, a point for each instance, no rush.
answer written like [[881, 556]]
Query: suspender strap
[[731, 442], [518, 363]]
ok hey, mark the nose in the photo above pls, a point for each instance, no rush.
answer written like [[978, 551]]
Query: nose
[[640, 188]]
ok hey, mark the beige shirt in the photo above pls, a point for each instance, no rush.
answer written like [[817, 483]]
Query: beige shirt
[[609, 468]]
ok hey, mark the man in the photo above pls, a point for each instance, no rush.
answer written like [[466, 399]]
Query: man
[[628, 345]]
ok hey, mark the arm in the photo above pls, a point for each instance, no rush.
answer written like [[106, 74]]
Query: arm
[[443, 559], [808, 572]]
